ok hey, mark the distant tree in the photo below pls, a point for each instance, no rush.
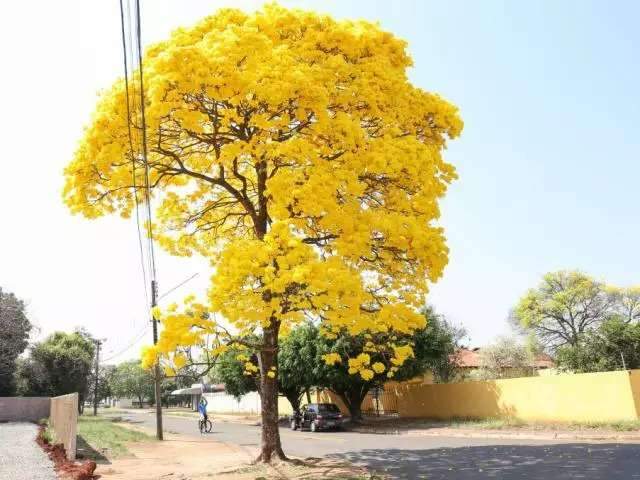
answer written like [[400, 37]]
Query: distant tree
[[130, 380], [59, 365], [32, 378], [297, 364], [14, 335], [627, 303], [506, 358], [564, 306], [443, 339], [105, 382], [613, 346]]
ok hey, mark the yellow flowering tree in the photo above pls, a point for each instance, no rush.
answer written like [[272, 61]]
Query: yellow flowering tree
[[292, 152]]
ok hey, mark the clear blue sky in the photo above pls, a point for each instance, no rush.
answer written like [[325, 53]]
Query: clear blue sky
[[548, 160], [549, 157]]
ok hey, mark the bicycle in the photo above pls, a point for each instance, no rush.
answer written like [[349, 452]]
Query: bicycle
[[204, 426]]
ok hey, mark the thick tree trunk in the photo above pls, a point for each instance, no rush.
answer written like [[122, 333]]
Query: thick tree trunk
[[308, 393], [294, 398], [353, 400], [268, 359]]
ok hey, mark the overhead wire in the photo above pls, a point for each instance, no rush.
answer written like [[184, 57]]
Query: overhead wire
[[143, 125], [132, 141], [139, 336]]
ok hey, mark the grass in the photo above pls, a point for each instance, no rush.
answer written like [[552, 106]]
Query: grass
[[100, 437], [515, 423]]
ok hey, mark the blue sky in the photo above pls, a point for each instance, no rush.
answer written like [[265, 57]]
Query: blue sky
[[548, 159]]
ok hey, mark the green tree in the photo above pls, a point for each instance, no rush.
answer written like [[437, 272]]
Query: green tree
[[130, 380], [432, 349], [15, 328], [59, 365], [230, 371], [613, 346], [564, 306], [105, 381], [442, 339], [297, 367]]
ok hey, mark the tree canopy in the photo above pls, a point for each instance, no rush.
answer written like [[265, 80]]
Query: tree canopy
[[563, 306], [15, 328], [430, 345], [130, 380], [291, 150], [58, 365], [612, 346]]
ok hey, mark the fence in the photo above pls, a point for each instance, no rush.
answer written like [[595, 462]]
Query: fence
[[23, 409], [64, 422]]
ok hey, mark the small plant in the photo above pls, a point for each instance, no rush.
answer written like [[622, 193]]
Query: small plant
[[47, 436]]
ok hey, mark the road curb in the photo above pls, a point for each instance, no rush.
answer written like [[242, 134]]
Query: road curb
[[440, 432]]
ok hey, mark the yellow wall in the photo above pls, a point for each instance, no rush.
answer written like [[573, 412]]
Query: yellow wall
[[606, 396], [284, 407]]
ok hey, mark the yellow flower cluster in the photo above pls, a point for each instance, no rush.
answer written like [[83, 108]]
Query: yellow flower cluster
[[332, 358], [291, 151]]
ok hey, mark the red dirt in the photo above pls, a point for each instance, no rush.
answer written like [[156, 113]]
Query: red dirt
[[65, 468]]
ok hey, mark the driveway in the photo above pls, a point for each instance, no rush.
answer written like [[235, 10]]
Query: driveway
[[21, 458], [408, 457]]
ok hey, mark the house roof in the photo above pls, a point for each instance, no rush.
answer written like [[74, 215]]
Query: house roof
[[199, 388], [470, 358]]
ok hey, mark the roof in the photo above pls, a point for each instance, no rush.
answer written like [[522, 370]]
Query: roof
[[470, 358], [198, 388]]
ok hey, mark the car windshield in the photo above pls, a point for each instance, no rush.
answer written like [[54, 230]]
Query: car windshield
[[328, 408]]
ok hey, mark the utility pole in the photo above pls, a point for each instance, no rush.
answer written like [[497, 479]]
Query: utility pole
[[98, 343], [154, 302]]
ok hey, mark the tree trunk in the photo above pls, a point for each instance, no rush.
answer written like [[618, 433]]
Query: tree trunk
[[139, 401], [268, 360], [308, 395], [353, 401], [294, 397]]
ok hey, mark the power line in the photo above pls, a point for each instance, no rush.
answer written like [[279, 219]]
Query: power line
[[139, 336], [178, 286], [131, 143]]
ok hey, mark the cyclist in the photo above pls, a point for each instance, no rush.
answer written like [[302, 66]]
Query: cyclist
[[202, 409]]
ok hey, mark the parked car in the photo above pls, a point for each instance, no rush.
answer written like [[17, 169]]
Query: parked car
[[317, 416]]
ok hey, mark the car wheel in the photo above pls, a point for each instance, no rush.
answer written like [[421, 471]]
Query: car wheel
[[293, 425], [313, 427]]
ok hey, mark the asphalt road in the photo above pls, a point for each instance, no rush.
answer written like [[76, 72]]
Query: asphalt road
[[411, 457]]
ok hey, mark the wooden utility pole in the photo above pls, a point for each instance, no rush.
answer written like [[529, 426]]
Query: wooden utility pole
[[98, 343]]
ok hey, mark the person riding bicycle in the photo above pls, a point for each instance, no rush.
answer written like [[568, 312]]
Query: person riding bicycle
[[202, 408]]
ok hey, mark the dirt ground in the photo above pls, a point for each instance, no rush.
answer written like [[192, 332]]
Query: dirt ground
[[182, 458]]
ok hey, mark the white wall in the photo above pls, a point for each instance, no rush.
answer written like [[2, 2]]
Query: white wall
[[124, 403], [221, 402]]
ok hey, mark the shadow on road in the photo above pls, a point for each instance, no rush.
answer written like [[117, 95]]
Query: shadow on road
[[505, 462]]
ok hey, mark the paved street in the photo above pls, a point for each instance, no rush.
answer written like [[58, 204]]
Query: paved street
[[409, 457]]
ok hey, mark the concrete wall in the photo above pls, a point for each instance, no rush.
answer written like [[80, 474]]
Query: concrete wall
[[24, 409], [607, 396], [64, 422], [221, 402]]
